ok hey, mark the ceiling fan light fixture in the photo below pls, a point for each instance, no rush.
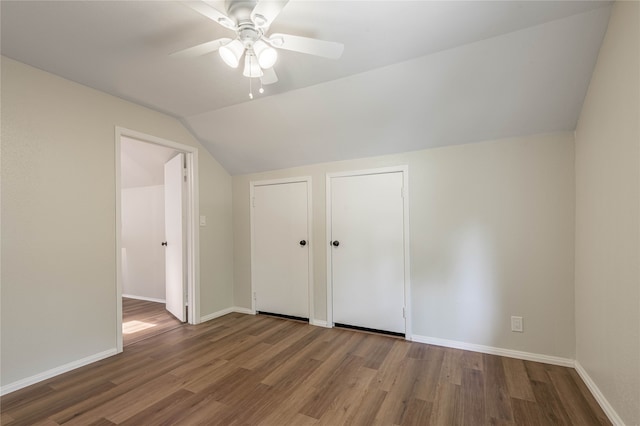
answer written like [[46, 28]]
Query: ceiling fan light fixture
[[231, 53], [266, 54], [251, 67]]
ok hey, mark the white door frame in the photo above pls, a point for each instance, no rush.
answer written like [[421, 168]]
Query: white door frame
[[192, 231], [252, 186], [407, 266]]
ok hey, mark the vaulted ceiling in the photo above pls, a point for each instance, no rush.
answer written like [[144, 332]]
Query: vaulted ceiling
[[142, 163], [414, 74]]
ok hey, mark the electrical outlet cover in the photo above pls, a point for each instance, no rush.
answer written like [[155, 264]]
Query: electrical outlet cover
[[517, 324]]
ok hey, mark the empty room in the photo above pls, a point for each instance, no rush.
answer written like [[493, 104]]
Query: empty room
[[305, 212]]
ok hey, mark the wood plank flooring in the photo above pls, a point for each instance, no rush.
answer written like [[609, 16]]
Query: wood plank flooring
[[142, 319], [259, 370]]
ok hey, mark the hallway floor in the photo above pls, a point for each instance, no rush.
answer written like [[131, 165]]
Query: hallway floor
[[142, 319]]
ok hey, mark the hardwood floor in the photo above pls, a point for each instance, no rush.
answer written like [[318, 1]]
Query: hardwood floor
[[244, 369], [142, 319]]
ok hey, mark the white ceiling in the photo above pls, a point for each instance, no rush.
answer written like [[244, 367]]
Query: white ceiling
[[415, 74], [142, 163]]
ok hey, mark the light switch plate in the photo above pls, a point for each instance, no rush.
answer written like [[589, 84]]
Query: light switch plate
[[203, 221]]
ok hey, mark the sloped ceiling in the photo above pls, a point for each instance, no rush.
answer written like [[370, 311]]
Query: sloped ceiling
[[414, 74], [142, 163]]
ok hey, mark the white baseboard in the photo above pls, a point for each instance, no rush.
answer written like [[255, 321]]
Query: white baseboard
[[23, 383], [225, 312], [547, 359], [319, 323], [595, 391], [216, 315], [148, 299]]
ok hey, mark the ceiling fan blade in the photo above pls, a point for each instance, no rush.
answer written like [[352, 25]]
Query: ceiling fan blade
[[310, 46], [269, 76], [266, 11], [212, 13], [201, 49]]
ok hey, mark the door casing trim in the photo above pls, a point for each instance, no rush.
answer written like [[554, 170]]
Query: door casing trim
[[192, 230]]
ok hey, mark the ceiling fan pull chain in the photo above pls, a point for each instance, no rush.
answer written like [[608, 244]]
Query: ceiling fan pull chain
[[250, 91]]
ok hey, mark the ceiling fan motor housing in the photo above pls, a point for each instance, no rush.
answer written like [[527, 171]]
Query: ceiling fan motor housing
[[240, 10], [249, 34]]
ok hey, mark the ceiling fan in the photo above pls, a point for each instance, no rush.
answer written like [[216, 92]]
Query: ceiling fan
[[250, 20]]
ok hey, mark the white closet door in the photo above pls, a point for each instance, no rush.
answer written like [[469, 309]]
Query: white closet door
[[174, 237], [280, 269], [367, 252]]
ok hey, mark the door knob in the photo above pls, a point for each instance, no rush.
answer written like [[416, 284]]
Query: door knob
[[164, 243], [336, 243], [303, 243]]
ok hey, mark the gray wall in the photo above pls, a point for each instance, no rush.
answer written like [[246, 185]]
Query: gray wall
[[58, 219], [608, 218], [492, 235]]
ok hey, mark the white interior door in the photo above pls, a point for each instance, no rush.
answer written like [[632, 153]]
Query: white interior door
[[367, 251], [174, 236], [280, 269]]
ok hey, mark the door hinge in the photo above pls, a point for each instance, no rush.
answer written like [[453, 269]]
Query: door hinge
[[253, 201], [184, 174], [404, 313], [402, 192], [254, 296]]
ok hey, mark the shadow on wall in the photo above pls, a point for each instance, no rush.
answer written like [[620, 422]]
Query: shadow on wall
[[455, 290], [473, 274]]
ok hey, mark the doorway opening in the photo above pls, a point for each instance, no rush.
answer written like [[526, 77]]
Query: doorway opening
[[156, 236], [142, 319]]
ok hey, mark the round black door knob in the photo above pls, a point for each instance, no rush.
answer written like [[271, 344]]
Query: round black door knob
[[303, 243], [164, 243], [336, 243]]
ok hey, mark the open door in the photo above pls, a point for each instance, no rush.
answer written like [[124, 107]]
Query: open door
[[174, 236]]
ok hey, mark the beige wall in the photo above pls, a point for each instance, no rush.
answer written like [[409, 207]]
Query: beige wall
[[608, 218], [492, 233], [58, 219]]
